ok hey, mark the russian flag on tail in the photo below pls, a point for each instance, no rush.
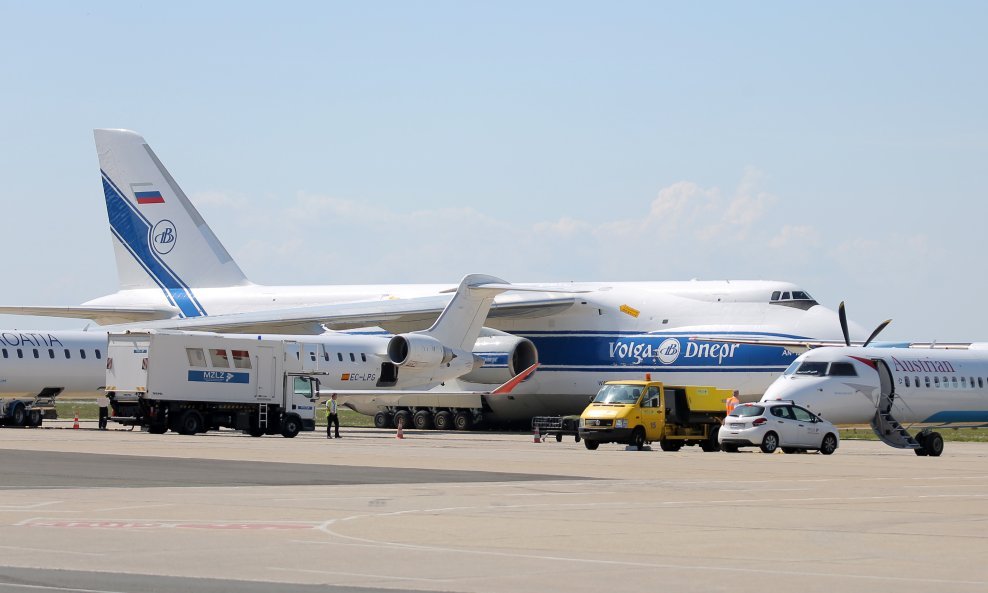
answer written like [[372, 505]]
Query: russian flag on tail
[[145, 193]]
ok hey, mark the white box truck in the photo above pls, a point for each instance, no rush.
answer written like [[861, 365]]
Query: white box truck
[[194, 382]]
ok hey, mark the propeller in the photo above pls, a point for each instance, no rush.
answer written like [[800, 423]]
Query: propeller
[[847, 336]]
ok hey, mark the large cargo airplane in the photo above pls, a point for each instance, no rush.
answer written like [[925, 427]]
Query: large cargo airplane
[[174, 273]]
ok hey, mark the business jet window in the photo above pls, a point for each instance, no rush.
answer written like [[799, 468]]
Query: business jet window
[[340, 356], [353, 358], [98, 354], [845, 369], [812, 369], [980, 384], [363, 357]]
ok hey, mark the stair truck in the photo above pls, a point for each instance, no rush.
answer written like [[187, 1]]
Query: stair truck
[[640, 412], [195, 382]]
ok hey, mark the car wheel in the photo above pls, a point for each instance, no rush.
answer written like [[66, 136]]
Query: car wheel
[[729, 448], [443, 420], [592, 445], [770, 442], [934, 444], [638, 438], [829, 444]]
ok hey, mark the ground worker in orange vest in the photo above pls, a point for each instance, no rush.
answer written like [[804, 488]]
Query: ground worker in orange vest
[[732, 403]]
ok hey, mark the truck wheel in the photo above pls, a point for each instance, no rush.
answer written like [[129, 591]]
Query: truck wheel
[[17, 414], [34, 418], [638, 438], [670, 445], [711, 444], [190, 422], [592, 445], [255, 431], [290, 426], [157, 428], [462, 421], [422, 420], [382, 420], [443, 420], [770, 442]]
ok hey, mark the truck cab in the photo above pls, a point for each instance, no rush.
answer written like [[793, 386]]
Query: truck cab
[[640, 412]]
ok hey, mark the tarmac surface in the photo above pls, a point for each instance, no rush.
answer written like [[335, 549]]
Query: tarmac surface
[[479, 512]]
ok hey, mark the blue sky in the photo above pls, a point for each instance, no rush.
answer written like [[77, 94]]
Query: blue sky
[[839, 145]]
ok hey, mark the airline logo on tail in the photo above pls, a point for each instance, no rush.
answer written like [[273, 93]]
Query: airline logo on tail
[[147, 242]]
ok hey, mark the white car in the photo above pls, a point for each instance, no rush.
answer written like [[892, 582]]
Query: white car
[[774, 425]]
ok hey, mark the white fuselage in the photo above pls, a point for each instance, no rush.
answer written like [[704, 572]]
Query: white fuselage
[[928, 386], [615, 331]]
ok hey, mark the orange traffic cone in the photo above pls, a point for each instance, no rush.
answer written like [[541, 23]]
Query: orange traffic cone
[[75, 422], [401, 425], [536, 436]]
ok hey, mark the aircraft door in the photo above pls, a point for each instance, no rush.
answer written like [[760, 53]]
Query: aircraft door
[[652, 414], [886, 385]]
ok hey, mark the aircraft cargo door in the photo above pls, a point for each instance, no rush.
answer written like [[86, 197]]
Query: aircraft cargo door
[[267, 367]]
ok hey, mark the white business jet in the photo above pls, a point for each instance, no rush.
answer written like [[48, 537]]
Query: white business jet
[[175, 274]]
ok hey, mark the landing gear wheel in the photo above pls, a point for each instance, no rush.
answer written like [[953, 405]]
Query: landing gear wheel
[[422, 420], [290, 426], [592, 445], [190, 422], [770, 442], [669, 445], [638, 438], [443, 420], [829, 444], [382, 420], [933, 444], [404, 418], [462, 421]]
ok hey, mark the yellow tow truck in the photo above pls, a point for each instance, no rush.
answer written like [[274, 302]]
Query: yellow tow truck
[[640, 412]]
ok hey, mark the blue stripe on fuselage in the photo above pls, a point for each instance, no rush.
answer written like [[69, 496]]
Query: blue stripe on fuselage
[[131, 228], [954, 416]]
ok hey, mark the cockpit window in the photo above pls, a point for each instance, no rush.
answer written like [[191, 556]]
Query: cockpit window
[[842, 369], [792, 368], [812, 369], [799, 299]]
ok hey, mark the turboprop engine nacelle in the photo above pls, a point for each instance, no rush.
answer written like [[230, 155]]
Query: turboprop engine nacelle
[[504, 357]]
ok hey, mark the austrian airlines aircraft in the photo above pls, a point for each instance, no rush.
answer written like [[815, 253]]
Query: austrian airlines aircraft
[[175, 274], [886, 387]]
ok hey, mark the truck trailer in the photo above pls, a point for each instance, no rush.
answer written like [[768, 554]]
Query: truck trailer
[[195, 382]]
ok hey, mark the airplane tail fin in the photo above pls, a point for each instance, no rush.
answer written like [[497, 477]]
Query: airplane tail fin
[[458, 326], [160, 240]]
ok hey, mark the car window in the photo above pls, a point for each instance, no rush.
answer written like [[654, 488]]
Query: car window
[[782, 412], [747, 411], [803, 415]]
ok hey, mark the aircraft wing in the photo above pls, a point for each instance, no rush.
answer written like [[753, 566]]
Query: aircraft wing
[[395, 315], [800, 346], [101, 315]]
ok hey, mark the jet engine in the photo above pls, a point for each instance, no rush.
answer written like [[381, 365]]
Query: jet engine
[[504, 356], [417, 350]]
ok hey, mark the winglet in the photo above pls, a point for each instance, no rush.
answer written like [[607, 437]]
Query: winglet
[[514, 381]]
